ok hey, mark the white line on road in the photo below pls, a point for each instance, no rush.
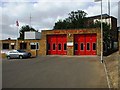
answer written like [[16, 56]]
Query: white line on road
[[106, 72]]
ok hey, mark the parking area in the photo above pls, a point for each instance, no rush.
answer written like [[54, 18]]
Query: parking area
[[54, 72]]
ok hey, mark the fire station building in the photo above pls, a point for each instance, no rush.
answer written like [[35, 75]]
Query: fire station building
[[60, 42], [65, 42], [70, 42]]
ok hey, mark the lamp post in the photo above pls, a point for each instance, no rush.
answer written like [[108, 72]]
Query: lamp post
[[101, 33], [17, 24]]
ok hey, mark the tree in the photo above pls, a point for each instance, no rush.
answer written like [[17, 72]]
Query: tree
[[23, 29], [75, 20], [106, 32]]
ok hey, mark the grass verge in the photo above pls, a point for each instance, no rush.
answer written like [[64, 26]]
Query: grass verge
[[111, 62]]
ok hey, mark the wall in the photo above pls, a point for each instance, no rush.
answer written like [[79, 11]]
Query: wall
[[37, 35], [113, 25], [28, 49], [32, 35], [70, 38], [105, 20], [29, 35]]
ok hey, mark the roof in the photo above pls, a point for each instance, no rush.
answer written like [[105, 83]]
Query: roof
[[99, 16]]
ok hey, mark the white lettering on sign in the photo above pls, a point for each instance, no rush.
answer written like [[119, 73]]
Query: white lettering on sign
[[69, 43], [32, 43], [12, 43]]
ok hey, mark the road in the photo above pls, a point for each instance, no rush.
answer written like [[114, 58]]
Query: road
[[54, 72]]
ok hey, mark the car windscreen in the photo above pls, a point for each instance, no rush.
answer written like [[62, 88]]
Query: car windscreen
[[20, 51]]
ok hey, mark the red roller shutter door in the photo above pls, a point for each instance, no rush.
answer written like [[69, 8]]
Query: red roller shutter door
[[56, 44], [85, 44]]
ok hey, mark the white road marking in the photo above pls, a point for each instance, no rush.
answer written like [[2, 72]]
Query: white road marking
[[106, 72]]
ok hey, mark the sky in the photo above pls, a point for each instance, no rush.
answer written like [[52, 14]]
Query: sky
[[44, 13]]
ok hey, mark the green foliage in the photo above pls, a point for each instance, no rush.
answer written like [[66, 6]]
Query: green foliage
[[23, 29], [106, 31], [75, 20]]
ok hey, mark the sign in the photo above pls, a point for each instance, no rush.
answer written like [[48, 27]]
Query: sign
[[12, 43], [69, 43], [32, 43]]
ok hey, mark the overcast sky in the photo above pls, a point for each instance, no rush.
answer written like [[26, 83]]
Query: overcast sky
[[45, 13]]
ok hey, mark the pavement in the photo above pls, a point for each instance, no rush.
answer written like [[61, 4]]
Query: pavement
[[54, 72], [112, 66]]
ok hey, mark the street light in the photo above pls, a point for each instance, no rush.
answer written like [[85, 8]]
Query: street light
[[101, 33], [17, 24]]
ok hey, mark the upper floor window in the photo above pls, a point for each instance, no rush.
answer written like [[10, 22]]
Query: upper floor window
[[5, 46]]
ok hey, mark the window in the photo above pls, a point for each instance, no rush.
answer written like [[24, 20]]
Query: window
[[5, 46], [54, 46], [59, 46], [34, 46], [20, 51], [12, 46], [48, 46], [65, 46], [94, 46], [88, 46], [81, 46], [37, 46], [76, 46], [13, 52], [23, 45]]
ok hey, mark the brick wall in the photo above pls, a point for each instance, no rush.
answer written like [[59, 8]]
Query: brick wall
[[70, 38], [17, 45]]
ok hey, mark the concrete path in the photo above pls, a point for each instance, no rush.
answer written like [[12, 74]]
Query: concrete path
[[54, 72]]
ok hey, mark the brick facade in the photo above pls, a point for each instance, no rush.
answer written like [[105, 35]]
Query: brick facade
[[106, 19], [70, 38], [17, 45], [43, 41]]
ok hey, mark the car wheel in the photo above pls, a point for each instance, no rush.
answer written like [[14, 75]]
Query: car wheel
[[29, 54], [8, 57], [20, 57]]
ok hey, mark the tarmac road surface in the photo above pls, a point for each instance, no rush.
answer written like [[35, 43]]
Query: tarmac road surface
[[54, 72]]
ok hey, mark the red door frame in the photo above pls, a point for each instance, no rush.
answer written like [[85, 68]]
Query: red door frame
[[58, 48], [82, 41], [94, 42], [86, 44]]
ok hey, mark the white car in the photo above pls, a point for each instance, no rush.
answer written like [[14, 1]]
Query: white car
[[17, 54]]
